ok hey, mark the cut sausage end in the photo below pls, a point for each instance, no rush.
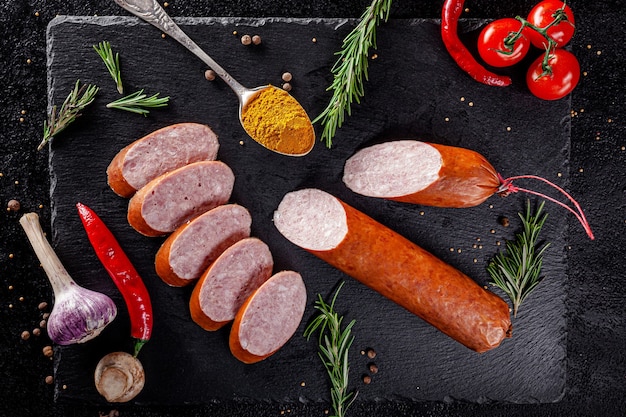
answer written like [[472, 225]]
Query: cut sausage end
[[300, 209], [393, 169], [269, 317], [229, 281]]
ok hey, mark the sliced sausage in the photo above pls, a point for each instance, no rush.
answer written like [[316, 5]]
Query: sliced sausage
[[228, 282], [422, 173], [159, 152], [171, 199], [268, 318], [188, 252], [395, 267]]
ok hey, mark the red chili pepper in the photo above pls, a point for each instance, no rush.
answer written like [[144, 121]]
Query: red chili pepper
[[123, 273], [450, 14]]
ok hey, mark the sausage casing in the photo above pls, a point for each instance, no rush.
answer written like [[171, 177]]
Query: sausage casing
[[395, 267]]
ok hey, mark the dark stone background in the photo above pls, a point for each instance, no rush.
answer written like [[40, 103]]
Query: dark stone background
[[596, 294]]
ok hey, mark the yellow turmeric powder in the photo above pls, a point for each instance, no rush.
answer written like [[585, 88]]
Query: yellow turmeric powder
[[277, 121]]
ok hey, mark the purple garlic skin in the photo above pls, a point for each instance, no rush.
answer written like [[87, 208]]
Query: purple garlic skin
[[79, 315]]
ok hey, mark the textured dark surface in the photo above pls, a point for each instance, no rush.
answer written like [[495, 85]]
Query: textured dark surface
[[595, 332], [416, 362]]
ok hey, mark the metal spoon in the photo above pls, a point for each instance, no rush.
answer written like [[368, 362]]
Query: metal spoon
[[152, 12]]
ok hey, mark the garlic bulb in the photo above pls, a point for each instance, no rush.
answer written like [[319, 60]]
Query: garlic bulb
[[78, 314]]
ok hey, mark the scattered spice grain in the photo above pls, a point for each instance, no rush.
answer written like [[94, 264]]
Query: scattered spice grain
[[373, 368], [13, 205], [256, 39], [367, 379], [49, 379], [504, 221], [287, 86], [48, 352], [42, 306], [286, 77], [246, 40], [210, 75], [371, 353], [25, 335], [36, 332]]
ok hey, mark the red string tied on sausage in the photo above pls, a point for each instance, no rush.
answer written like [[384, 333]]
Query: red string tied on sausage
[[507, 187]]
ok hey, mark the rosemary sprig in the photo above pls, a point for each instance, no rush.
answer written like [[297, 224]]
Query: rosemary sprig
[[517, 272], [112, 62], [79, 98], [334, 344], [138, 102], [350, 70]]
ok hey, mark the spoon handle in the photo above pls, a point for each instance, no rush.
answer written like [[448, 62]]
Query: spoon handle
[[152, 12]]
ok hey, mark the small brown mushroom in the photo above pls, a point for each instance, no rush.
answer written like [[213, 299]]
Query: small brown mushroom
[[119, 377]]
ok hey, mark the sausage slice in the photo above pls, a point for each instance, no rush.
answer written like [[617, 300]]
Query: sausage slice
[[171, 199], [395, 267], [228, 282], [159, 152], [268, 318], [187, 252]]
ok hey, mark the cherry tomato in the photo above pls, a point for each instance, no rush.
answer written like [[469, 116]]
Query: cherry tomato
[[562, 79], [542, 15], [495, 46]]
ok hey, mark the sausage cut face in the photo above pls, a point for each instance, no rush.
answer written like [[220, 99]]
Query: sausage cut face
[[272, 314], [393, 169], [298, 211], [171, 199], [230, 280], [204, 238]]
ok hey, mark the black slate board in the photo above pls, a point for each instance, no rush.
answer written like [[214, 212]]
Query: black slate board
[[415, 90]]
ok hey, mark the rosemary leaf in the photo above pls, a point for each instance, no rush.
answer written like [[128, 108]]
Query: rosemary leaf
[[76, 101], [334, 344], [517, 272], [112, 62], [350, 69], [138, 102]]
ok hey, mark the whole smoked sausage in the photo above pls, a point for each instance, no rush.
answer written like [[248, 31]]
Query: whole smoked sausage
[[395, 267]]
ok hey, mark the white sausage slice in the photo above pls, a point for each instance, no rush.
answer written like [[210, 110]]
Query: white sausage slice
[[159, 152], [269, 317], [188, 252], [228, 282], [171, 199]]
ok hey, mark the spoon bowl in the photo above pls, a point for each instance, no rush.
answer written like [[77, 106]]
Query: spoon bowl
[[283, 134]]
